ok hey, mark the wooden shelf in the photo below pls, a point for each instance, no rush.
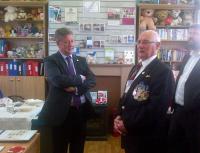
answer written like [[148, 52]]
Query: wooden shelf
[[181, 41], [23, 3], [21, 37], [172, 27], [167, 6], [21, 58], [22, 20]]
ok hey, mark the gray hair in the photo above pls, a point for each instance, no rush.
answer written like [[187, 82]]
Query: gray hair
[[62, 32]]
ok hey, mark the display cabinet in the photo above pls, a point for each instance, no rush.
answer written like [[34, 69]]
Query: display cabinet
[[23, 45]]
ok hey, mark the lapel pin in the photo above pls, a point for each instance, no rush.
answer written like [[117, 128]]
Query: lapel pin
[[143, 73], [77, 60], [147, 76]]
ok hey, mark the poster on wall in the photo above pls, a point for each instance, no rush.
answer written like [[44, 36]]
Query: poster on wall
[[113, 16], [92, 6], [55, 14], [128, 16], [71, 15], [109, 55], [129, 57]]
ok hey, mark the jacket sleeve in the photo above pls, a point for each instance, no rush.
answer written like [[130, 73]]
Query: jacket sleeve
[[89, 82], [161, 94], [56, 77]]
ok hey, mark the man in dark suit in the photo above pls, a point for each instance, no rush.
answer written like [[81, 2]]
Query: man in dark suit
[[68, 104], [142, 120], [184, 133]]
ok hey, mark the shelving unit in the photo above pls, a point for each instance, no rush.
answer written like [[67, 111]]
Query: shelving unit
[[173, 38], [22, 49]]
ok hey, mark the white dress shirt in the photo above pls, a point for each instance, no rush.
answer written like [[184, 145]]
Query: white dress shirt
[[83, 100], [192, 61]]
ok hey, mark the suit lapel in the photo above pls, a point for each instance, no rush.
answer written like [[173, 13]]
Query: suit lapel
[[76, 64], [195, 71], [61, 62], [145, 72]]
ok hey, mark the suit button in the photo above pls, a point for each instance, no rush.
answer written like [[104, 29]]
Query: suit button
[[123, 107]]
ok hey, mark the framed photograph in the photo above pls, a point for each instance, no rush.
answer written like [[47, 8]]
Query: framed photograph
[[51, 37], [85, 27], [97, 44], [89, 42], [71, 16], [102, 42], [98, 27]]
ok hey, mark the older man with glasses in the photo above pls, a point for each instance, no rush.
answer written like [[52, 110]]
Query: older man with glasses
[[142, 119]]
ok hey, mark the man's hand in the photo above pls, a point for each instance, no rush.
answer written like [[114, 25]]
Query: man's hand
[[119, 125], [70, 89]]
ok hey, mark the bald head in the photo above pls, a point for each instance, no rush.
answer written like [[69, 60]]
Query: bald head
[[151, 35], [148, 44]]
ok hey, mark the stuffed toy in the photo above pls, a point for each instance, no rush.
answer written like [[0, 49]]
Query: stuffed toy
[[162, 17], [120, 60], [21, 14], [187, 18], [177, 20], [186, 2], [11, 13], [147, 20], [2, 32], [7, 30]]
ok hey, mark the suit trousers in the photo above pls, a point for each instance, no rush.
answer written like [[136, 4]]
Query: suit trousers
[[184, 132], [71, 134]]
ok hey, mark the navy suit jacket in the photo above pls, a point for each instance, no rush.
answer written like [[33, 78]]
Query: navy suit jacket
[[56, 107], [146, 120]]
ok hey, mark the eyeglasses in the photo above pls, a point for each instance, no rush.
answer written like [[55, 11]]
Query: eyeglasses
[[145, 42]]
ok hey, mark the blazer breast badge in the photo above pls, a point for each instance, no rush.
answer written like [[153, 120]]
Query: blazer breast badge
[[141, 92]]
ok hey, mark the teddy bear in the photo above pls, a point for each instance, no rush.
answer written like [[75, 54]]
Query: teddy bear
[[11, 13], [2, 32], [21, 14], [186, 2], [162, 17], [147, 20], [175, 14], [187, 18]]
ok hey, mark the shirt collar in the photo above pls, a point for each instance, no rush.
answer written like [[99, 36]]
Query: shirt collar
[[64, 56], [195, 53], [149, 60]]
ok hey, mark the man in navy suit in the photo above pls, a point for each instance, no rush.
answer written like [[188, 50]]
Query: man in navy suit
[[142, 120], [68, 104], [184, 133]]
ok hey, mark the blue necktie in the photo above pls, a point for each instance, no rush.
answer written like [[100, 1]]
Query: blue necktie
[[76, 98]]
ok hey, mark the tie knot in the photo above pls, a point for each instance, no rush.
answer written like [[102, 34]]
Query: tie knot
[[139, 64]]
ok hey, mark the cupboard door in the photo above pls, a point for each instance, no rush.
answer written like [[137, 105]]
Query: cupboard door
[[30, 87], [7, 85]]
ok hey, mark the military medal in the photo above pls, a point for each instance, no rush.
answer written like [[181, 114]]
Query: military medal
[[141, 92]]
